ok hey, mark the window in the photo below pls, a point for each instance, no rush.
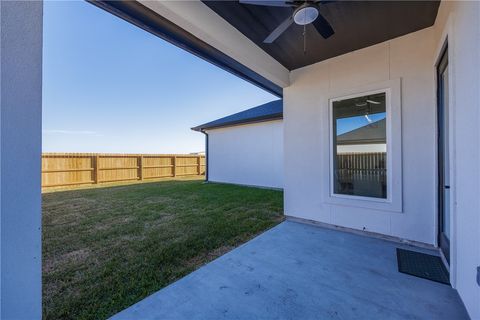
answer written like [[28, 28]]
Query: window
[[359, 146], [363, 130]]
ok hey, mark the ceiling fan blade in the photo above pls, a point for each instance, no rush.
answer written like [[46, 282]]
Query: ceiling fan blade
[[269, 3], [323, 27], [279, 30]]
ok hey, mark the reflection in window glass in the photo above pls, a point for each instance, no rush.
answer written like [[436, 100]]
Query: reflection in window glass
[[360, 146]]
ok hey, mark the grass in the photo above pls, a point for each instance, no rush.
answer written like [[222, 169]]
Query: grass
[[106, 248]]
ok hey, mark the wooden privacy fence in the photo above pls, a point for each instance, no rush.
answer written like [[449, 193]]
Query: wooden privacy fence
[[361, 174], [366, 162], [71, 169]]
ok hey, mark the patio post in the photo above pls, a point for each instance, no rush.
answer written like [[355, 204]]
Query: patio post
[[20, 159]]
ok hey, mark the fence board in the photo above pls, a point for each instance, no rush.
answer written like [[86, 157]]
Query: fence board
[[70, 169]]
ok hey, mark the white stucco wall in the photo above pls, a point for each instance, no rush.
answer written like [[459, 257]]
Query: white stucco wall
[[459, 22], [20, 158], [362, 148], [249, 154], [411, 58], [306, 123]]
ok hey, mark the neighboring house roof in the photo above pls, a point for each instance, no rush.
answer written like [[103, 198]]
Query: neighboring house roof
[[265, 112], [371, 133]]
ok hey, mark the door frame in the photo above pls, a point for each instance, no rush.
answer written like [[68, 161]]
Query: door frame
[[442, 241]]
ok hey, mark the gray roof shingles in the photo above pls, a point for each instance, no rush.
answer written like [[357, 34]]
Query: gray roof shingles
[[374, 132], [268, 111]]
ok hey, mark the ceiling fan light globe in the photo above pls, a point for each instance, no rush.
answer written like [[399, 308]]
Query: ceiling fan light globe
[[305, 15]]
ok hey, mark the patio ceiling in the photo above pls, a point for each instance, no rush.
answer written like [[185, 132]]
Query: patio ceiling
[[357, 24], [230, 35]]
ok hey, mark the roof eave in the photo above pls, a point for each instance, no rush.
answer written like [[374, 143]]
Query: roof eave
[[271, 117]]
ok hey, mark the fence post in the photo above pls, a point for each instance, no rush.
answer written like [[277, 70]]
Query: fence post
[[174, 168], [96, 168], [140, 165], [199, 163]]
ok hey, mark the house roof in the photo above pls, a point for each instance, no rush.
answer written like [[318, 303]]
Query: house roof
[[371, 133], [269, 111]]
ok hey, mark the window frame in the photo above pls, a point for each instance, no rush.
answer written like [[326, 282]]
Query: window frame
[[387, 93], [393, 202]]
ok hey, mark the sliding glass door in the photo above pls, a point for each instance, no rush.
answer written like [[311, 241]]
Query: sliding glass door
[[443, 157]]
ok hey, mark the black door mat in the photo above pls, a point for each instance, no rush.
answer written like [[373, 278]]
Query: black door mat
[[422, 265]]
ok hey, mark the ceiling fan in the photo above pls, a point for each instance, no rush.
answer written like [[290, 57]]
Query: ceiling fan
[[305, 12]]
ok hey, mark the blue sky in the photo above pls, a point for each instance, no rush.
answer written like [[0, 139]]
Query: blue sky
[[111, 87], [348, 124]]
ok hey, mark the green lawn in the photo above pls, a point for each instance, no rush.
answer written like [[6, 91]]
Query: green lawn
[[107, 248]]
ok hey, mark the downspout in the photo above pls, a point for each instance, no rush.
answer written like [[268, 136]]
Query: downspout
[[206, 154]]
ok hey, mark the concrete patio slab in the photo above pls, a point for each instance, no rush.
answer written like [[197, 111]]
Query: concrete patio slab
[[299, 271]]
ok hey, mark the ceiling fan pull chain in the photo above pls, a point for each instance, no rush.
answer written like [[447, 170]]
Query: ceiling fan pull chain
[[305, 32], [304, 39]]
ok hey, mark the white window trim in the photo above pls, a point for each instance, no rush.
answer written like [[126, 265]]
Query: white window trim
[[388, 136], [393, 202]]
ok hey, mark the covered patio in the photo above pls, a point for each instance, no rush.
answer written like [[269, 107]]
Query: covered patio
[[300, 271], [413, 63]]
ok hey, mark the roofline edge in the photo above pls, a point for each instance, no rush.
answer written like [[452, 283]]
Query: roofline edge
[[272, 117]]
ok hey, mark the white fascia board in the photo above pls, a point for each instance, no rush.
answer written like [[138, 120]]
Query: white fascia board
[[202, 22]]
